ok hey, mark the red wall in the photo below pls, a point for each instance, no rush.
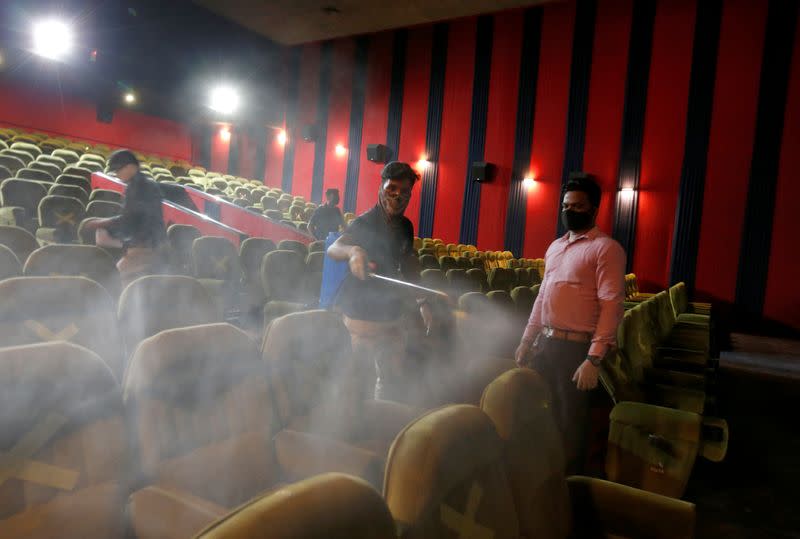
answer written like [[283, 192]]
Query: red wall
[[39, 110]]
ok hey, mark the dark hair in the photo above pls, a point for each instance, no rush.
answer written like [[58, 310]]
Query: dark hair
[[332, 191], [586, 185], [122, 158], [397, 170]]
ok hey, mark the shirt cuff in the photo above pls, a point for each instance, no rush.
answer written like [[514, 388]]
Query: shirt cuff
[[598, 349]]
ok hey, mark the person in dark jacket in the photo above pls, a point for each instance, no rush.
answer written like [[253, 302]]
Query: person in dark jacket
[[328, 217], [139, 230]]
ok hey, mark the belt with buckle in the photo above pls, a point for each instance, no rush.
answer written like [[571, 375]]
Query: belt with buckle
[[561, 334]]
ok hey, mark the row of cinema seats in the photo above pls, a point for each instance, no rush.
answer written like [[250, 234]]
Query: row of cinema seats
[[437, 249], [36, 157], [203, 421], [286, 276]]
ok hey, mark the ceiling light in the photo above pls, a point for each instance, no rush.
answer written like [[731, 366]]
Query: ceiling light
[[130, 98], [224, 99], [52, 39]]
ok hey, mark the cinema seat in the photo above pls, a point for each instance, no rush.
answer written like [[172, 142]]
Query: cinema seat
[[282, 275], [686, 311], [523, 298], [501, 279], [343, 507], [61, 404], [19, 240], [27, 147], [103, 209], [479, 277], [25, 157], [251, 254], [69, 156], [316, 247], [445, 477], [35, 175], [69, 191], [156, 303], [550, 505], [215, 263], [433, 278], [313, 278], [199, 404], [294, 245], [11, 162], [77, 181], [75, 261], [321, 389], [181, 238], [20, 202], [52, 160], [50, 168], [9, 263], [459, 284], [5, 173], [428, 261], [447, 263], [78, 170], [74, 309], [59, 218]]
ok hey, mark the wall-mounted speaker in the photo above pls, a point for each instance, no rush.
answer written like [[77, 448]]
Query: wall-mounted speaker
[[379, 153], [309, 132], [483, 171]]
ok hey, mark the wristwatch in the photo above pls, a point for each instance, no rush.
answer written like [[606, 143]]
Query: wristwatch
[[595, 360]]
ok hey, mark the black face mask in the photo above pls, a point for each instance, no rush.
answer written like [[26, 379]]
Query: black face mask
[[576, 220]]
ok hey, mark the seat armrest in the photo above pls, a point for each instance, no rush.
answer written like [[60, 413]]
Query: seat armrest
[[12, 215], [167, 512], [609, 509], [302, 454]]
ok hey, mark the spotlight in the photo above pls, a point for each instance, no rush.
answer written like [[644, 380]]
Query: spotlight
[[224, 99], [340, 150], [529, 182], [281, 138], [225, 134], [130, 98], [423, 163], [52, 39]]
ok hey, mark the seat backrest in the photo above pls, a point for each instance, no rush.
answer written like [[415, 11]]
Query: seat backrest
[[52, 160], [199, 401], [69, 191], [103, 208], [428, 261], [75, 261], [34, 174], [77, 170], [22, 193], [50, 168], [74, 309], [328, 505], [156, 303], [479, 276], [181, 237], [311, 368], [107, 195], [433, 278], [10, 161], [679, 298], [5, 173], [501, 279], [474, 303], [19, 240], [78, 181], [314, 262], [316, 246], [666, 315], [523, 298], [520, 406], [65, 399], [69, 156], [60, 212], [215, 257], [294, 245], [22, 155], [251, 254], [9, 263], [501, 300], [447, 263], [27, 147], [282, 275], [445, 477]]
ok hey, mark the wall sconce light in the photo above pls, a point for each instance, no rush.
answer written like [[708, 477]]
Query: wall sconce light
[[281, 138], [225, 133], [423, 163], [340, 150], [529, 182], [626, 193]]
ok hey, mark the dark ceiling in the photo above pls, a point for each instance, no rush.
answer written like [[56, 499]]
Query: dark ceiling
[[291, 22]]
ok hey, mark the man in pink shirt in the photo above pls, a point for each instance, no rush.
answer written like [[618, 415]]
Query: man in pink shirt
[[574, 320]]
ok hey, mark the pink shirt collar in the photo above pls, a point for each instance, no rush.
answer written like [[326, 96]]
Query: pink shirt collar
[[591, 234]]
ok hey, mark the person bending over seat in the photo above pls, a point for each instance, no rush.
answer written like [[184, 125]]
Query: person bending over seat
[[381, 241], [139, 229]]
